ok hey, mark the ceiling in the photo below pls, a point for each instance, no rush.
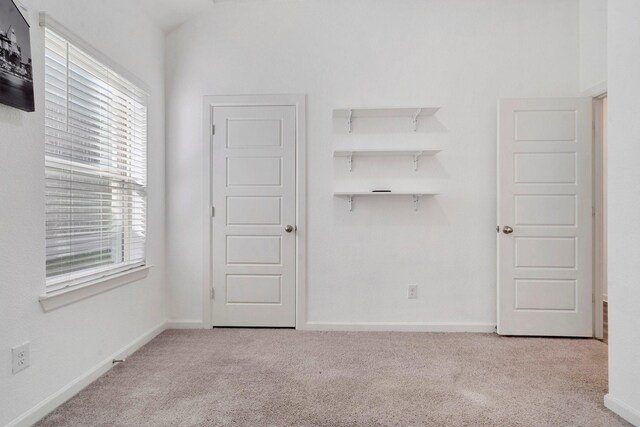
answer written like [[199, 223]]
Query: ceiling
[[169, 14]]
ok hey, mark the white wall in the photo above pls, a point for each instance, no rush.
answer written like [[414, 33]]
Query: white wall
[[68, 342], [624, 209], [593, 44], [462, 55]]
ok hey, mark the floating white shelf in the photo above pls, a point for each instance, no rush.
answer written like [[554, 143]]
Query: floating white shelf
[[416, 154], [415, 194], [412, 112]]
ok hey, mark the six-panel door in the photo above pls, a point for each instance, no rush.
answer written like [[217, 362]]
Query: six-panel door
[[253, 186]]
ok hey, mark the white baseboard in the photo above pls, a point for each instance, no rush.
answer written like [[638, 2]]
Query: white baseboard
[[39, 411], [184, 324], [400, 327], [625, 411]]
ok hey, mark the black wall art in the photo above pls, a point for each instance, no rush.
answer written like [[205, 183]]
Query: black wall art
[[16, 74]]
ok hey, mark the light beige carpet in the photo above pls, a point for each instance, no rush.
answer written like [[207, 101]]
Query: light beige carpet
[[245, 377]]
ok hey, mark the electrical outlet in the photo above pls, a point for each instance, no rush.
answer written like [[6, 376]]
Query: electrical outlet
[[20, 357], [412, 292]]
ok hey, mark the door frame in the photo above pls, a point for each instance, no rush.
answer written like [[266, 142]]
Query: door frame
[[299, 102], [596, 93], [599, 216]]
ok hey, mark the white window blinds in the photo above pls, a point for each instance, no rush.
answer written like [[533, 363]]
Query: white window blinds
[[95, 167]]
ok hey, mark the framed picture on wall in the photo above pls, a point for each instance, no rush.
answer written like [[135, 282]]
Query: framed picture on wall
[[16, 74]]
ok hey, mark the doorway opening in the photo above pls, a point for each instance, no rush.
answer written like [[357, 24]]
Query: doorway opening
[[600, 109]]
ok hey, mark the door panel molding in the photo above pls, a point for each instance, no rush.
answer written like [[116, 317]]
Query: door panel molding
[[299, 102]]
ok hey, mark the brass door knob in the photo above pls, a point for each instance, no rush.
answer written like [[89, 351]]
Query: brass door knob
[[507, 230]]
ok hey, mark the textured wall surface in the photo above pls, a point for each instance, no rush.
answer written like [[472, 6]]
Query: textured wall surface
[[624, 204], [593, 43]]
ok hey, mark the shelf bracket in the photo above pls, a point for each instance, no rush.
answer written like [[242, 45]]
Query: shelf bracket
[[415, 119], [350, 199], [350, 120], [350, 160], [416, 156], [415, 202]]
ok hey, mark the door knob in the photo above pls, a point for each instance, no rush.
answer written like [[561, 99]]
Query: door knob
[[507, 230], [288, 228]]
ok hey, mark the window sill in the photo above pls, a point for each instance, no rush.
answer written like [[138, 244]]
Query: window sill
[[57, 299]]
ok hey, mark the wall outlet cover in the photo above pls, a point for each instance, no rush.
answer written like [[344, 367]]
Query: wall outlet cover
[[412, 292], [20, 357]]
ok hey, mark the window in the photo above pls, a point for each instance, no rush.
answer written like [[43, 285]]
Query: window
[[95, 168]]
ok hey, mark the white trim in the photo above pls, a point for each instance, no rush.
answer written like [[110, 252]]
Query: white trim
[[47, 21], [56, 299], [207, 121], [298, 101], [400, 327], [39, 411], [89, 275], [184, 324], [599, 217], [595, 91], [301, 211], [625, 411]]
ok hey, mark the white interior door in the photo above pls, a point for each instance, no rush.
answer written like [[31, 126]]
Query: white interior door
[[253, 241], [545, 217]]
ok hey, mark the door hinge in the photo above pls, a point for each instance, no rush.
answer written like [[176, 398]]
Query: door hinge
[[213, 293], [213, 211], [213, 129]]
